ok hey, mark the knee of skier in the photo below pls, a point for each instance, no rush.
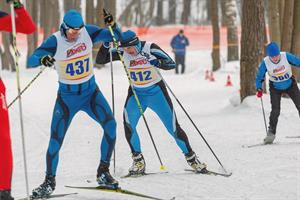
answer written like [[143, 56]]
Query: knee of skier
[[110, 128], [54, 146]]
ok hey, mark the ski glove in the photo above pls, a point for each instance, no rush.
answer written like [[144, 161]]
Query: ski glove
[[108, 18], [259, 93], [47, 61], [17, 3], [156, 62]]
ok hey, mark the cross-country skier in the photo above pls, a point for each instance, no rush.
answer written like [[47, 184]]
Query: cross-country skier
[[70, 51], [281, 81], [143, 60], [24, 24]]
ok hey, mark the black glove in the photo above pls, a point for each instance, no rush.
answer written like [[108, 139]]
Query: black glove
[[17, 3], [47, 61], [108, 18]]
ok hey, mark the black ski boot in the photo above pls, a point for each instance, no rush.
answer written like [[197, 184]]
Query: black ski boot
[[45, 189], [104, 178], [5, 195], [195, 163], [138, 166]]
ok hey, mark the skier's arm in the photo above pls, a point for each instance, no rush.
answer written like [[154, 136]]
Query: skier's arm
[[48, 47], [165, 60], [187, 41], [292, 59], [103, 56], [24, 23], [260, 76], [98, 34]]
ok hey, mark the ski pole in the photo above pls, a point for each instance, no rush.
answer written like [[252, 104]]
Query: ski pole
[[184, 110], [264, 115], [112, 97], [27, 86], [162, 167], [19, 91]]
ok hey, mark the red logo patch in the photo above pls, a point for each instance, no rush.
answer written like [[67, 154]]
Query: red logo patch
[[140, 61], [279, 69], [77, 49]]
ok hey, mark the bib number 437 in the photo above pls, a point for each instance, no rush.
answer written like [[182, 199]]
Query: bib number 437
[[77, 68]]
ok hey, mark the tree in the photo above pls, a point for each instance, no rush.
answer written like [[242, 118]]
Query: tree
[[6, 56], [71, 4], [216, 36], [274, 21], [252, 44], [159, 15], [172, 11], [296, 38], [287, 27], [50, 24], [90, 12], [232, 34], [186, 12], [32, 39]]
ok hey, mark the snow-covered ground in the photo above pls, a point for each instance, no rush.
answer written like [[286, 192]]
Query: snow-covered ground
[[259, 173]]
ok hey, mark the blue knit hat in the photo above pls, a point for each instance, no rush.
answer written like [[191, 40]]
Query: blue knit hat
[[129, 38], [73, 19], [273, 49]]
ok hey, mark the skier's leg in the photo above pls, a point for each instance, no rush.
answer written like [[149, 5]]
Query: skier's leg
[[294, 93], [99, 109], [131, 116], [162, 105], [176, 64], [183, 64], [275, 111], [6, 163]]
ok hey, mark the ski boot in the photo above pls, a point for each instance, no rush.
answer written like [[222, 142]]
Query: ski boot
[[195, 163], [270, 137], [45, 189], [104, 178], [138, 166], [5, 195]]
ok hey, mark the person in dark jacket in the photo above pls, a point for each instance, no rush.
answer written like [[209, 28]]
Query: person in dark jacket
[[24, 24], [179, 43]]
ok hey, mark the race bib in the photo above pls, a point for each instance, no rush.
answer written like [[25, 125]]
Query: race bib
[[77, 68], [142, 76]]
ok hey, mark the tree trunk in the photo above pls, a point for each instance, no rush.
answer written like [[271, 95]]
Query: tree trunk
[[99, 11], [172, 11], [274, 21], [223, 11], [186, 12], [252, 44], [232, 33], [71, 4], [216, 36], [6, 56], [32, 39], [89, 12], [296, 38], [125, 16], [51, 24], [159, 15], [281, 13], [287, 28], [208, 8]]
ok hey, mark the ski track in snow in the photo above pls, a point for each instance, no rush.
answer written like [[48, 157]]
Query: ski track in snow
[[259, 173]]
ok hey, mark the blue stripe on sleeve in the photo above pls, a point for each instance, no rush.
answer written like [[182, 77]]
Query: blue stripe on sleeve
[[260, 76]]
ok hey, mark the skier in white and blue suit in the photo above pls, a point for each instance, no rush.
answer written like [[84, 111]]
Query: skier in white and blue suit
[[281, 80], [70, 51], [143, 60]]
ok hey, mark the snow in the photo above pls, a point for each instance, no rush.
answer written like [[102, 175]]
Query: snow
[[259, 173]]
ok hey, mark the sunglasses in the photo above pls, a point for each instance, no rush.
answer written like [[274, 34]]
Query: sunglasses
[[74, 30]]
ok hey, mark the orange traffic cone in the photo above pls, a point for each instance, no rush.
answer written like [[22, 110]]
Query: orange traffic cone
[[207, 75], [228, 82], [212, 78]]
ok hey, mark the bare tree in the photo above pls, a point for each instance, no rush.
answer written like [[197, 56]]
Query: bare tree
[[186, 12], [232, 33], [32, 39], [172, 11], [50, 24], [90, 12], [252, 44], [281, 12], [6, 56], [296, 38], [71, 4], [99, 13], [287, 27], [159, 15], [274, 20], [216, 36], [223, 11], [126, 15]]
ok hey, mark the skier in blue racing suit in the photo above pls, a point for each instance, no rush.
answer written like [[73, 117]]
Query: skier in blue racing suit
[[70, 51], [142, 60]]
